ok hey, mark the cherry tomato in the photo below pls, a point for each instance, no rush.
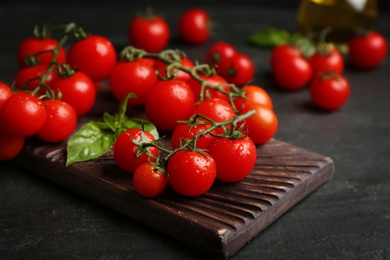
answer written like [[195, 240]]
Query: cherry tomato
[[209, 92], [78, 90], [254, 94], [35, 45], [168, 101], [5, 93], [194, 26], [10, 144], [182, 75], [149, 181], [239, 70], [184, 131], [330, 91], [282, 52], [23, 114], [292, 73], [220, 52], [126, 149], [191, 173], [326, 59], [95, 55], [149, 32], [27, 78], [132, 77], [261, 126], [60, 122], [367, 51], [235, 158]]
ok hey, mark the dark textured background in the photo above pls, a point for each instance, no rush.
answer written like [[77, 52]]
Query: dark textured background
[[347, 218]]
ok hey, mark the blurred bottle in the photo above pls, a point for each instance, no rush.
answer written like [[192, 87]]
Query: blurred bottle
[[344, 17]]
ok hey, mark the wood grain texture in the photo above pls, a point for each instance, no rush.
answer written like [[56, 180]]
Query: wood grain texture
[[220, 222]]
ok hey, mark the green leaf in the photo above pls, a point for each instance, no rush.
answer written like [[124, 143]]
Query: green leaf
[[269, 37], [138, 122], [89, 142]]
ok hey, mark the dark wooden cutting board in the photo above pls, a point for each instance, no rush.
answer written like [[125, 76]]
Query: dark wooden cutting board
[[220, 222]]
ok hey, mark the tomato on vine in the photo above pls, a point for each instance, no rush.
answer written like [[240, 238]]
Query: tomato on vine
[[186, 131], [95, 55], [5, 93], [149, 32], [253, 94], [60, 121], [329, 91], [209, 92], [191, 173], [126, 149], [149, 180], [239, 70], [235, 158], [219, 53], [29, 78], [194, 26], [10, 144], [326, 58], [182, 75]]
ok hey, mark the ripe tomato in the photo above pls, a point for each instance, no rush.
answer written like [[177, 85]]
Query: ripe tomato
[[149, 32], [209, 92], [235, 158], [282, 52], [5, 93], [367, 51], [23, 114], [60, 122], [34, 45], [184, 131], [95, 55], [182, 75], [326, 59], [194, 26], [132, 77], [149, 181], [330, 91], [10, 144], [191, 173], [292, 73], [261, 126], [216, 109], [78, 90], [254, 94], [126, 149], [239, 70], [220, 52], [168, 101], [27, 78]]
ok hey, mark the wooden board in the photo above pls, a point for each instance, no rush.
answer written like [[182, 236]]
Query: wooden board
[[220, 222]]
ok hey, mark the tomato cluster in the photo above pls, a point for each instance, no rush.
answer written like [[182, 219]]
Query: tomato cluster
[[323, 70]]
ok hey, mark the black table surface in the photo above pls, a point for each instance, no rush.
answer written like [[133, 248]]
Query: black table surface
[[347, 218]]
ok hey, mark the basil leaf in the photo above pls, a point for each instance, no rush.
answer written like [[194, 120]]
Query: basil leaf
[[89, 142], [269, 37]]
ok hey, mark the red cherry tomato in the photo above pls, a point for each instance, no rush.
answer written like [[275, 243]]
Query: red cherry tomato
[[10, 144], [5, 93], [367, 51], [191, 173], [235, 158], [182, 75], [239, 70], [168, 101], [293, 73], [27, 78], [149, 181], [220, 52], [327, 59], [194, 26], [330, 91], [95, 55], [261, 126], [184, 131], [126, 147], [282, 52], [254, 94], [209, 92], [132, 77], [23, 114], [78, 90], [149, 32], [35, 45], [60, 121], [218, 110]]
